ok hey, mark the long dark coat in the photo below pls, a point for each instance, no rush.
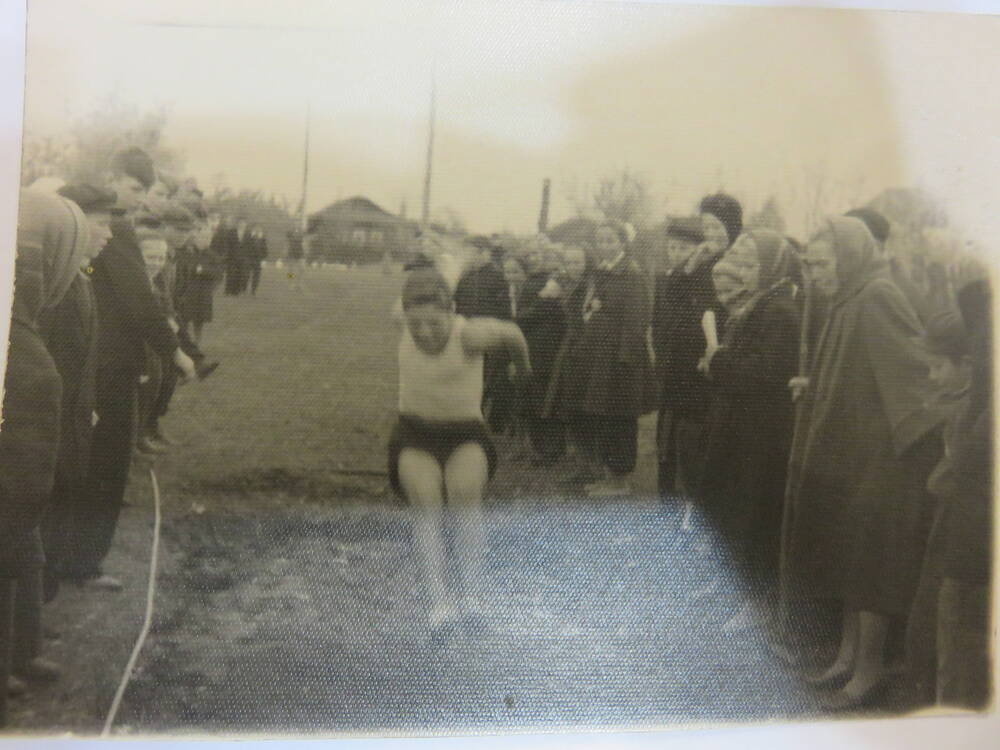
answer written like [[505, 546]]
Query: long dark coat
[[608, 371], [198, 273], [680, 301], [543, 322], [859, 513], [130, 316], [749, 425], [483, 292], [70, 334]]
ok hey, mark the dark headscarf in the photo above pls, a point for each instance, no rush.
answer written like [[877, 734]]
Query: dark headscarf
[[52, 238]]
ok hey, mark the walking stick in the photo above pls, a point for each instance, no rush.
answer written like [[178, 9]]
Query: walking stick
[[791, 482]]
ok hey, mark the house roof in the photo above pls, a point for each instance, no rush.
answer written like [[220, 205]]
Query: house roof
[[355, 209]]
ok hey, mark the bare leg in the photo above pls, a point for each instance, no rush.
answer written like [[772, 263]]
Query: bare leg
[[465, 478], [420, 476]]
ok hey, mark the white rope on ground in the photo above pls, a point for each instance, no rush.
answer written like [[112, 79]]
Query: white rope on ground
[[148, 621]]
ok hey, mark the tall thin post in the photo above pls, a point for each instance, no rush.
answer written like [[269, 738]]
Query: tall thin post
[[305, 171], [426, 212], [543, 214]]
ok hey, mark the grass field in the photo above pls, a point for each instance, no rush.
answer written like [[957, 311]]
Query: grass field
[[290, 601]]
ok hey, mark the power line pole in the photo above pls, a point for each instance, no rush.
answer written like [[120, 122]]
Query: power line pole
[[543, 215], [426, 212], [305, 171]]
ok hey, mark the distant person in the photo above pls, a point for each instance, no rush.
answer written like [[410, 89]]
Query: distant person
[[228, 243], [256, 256], [52, 239], [203, 269], [296, 258], [440, 451]]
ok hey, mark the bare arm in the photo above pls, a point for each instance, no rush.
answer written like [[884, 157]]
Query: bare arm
[[481, 335]]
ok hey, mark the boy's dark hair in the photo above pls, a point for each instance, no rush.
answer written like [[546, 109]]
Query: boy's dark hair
[[89, 198], [136, 163], [726, 209], [426, 286], [687, 229], [877, 224]]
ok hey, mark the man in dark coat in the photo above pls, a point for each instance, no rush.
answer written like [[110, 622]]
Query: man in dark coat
[[482, 292], [542, 319], [130, 320], [226, 244], [256, 255]]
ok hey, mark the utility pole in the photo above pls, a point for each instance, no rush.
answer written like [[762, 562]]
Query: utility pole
[[305, 172], [426, 212], [543, 215]]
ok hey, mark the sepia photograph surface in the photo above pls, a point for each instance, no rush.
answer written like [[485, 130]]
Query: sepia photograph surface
[[407, 369]]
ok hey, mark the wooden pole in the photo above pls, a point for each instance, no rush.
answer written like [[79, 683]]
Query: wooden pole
[[785, 565], [543, 215], [425, 215], [305, 172]]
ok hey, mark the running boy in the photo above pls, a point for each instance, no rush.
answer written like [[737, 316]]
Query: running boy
[[440, 449]]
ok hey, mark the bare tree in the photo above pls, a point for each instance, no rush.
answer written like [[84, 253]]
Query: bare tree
[[623, 198]]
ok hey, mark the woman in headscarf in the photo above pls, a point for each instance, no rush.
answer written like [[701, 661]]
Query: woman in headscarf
[[749, 426], [858, 514], [51, 240], [608, 375]]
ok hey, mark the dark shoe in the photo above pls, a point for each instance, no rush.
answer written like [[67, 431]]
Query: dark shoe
[[39, 670], [205, 369]]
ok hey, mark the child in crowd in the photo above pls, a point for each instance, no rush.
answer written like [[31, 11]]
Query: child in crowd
[[440, 451], [681, 301], [607, 377], [948, 630]]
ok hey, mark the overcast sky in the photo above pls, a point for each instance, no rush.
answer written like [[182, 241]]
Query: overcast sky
[[692, 98]]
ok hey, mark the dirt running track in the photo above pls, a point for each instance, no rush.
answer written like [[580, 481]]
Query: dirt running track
[[289, 598]]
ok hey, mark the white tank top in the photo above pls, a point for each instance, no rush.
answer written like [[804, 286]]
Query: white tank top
[[440, 387]]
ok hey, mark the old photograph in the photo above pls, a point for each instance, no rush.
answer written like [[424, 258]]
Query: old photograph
[[426, 368]]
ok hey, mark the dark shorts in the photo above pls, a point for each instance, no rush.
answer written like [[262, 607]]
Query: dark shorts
[[440, 439]]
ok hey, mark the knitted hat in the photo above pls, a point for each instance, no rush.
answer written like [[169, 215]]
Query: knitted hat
[[726, 209]]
